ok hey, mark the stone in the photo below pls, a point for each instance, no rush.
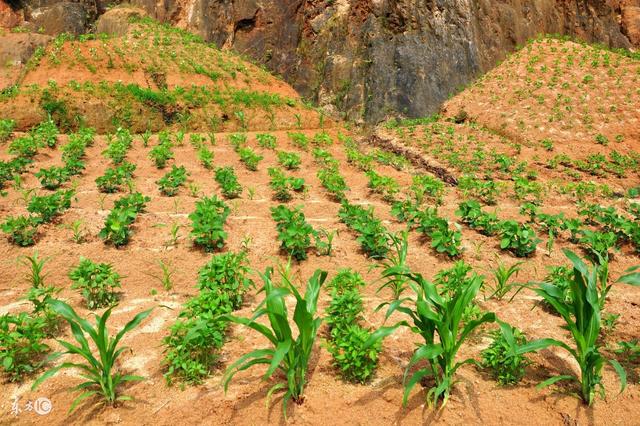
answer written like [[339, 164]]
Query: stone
[[116, 21], [8, 17], [65, 17]]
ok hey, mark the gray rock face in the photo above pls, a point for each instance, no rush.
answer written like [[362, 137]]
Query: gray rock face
[[59, 18], [371, 59]]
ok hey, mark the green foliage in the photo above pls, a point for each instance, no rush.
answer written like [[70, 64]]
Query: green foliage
[[25, 147], [505, 365], [135, 201], [333, 182], [228, 181], [250, 158], [162, 153], [21, 230], [48, 207], [206, 157], [347, 338], [118, 147], [282, 185], [294, 233], [520, 239], [383, 185], [97, 282], [114, 178], [207, 223], [425, 187], [117, 224], [22, 346], [289, 160], [171, 182], [6, 129], [266, 140], [53, 177], [438, 319], [286, 354], [501, 275], [373, 236], [582, 314], [199, 331], [299, 139], [99, 369]]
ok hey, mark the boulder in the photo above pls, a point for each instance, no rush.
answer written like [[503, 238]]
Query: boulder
[[15, 51], [8, 17], [116, 21], [65, 17]]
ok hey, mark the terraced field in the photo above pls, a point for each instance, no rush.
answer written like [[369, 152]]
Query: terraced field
[[190, 172]]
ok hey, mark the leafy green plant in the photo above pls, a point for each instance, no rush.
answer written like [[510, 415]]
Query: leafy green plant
[[22, 347], [505, 365], [333, 182], [21, 230], [117, 224], [250, 158], [53, 177], [226, 177], [6, 129], [582, 315], [294, 233], [282, 185], [266, 140], [114, 178], [193, 340], [206, 157], [287, 354], [502, 274], [299, 139], [207, 223], [99, 369], [171, 182], [97, 282], [48, 207], [373, 236], [289, 160], [518, 238], [438, 319], [347, 338], [161, 153]]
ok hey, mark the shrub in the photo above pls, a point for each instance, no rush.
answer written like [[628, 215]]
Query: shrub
[[206, 157], [97, 282], [22, 346], [48, 207], [250, 158], [294, 233], [117, 224], [171, 182], [289, 160], [21, 230], [333, 182], [226, 177], [161, 153], [114, 178], [500, 358], [207, 223]]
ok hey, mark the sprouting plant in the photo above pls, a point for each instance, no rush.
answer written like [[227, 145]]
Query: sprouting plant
[[165, 275], [397, 259], [287, 354], [36, 267], [324, 241], [99, 369], [77, 228], [502, 274]]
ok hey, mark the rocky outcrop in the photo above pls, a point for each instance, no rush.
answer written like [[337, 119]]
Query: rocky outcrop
[[372, 59], [8, 17], [65, 17], [117, 20], [375, 58]]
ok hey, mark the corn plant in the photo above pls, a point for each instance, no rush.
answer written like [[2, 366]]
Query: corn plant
[[396, 258], [287, 354], [502, 274], [99, 369], [438, 319], [582, 314]]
